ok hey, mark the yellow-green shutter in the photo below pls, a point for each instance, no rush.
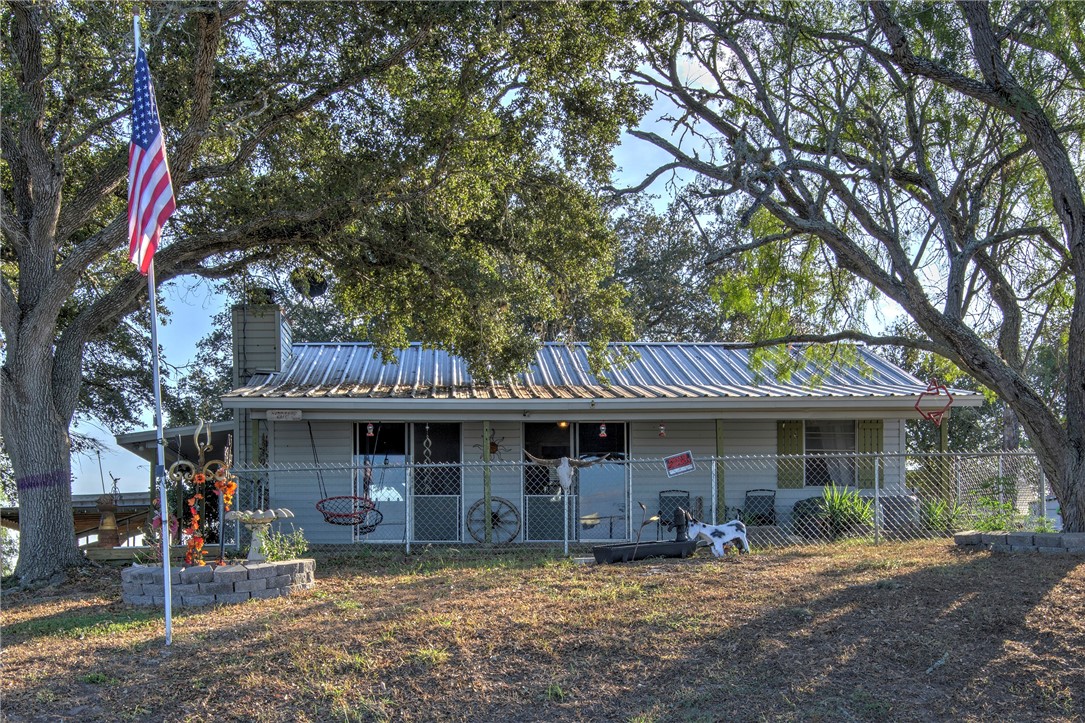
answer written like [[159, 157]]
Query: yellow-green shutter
[[871, 436], [789, 472]]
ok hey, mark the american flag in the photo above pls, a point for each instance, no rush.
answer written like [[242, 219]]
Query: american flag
[[150, 189]]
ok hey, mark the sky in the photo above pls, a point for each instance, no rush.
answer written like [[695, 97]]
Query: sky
[[192, 303]]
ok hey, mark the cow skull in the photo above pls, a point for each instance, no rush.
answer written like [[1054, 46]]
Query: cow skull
[[564, 467]]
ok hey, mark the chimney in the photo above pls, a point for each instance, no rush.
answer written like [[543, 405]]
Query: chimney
[[262, 339]]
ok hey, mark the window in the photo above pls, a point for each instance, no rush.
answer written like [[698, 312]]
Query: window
[[829, 446], [437, 443]]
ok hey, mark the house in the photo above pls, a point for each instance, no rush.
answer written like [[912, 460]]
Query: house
[[424, 442]]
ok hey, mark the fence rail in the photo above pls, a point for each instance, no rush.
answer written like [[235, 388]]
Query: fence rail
[[783, 499]]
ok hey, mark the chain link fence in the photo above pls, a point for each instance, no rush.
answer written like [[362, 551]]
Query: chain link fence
[[783, 499]]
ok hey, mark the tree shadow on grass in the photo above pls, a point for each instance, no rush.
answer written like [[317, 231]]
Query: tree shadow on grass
[[864, 637], [904, 646]]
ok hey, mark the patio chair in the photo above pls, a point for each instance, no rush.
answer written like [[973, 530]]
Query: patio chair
[[760, 507], [669, 503]]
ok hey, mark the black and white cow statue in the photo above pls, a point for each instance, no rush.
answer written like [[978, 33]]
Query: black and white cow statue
[[719, 535]]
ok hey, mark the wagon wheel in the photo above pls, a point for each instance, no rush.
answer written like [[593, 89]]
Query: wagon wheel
[[504, 520]]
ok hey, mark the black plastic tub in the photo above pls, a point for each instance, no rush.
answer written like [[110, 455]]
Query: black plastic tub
[[629, 551]]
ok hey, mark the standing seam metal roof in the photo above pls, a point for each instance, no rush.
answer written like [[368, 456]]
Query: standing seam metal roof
[[673, 370]]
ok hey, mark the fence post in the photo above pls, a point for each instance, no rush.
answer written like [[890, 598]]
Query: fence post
[[877, 504], [487, 522], [957, 477], [408, 516], [1042, 484], [1001, 480], [716, 516]]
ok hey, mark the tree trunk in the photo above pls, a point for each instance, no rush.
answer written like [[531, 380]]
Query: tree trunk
[[40, 448]]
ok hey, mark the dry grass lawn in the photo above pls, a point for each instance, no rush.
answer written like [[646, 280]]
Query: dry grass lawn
[[903, 632]]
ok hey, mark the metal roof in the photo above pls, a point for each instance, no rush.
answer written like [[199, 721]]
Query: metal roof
[[670, 370]]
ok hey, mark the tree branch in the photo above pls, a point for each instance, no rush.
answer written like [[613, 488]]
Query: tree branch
[[849, 335]]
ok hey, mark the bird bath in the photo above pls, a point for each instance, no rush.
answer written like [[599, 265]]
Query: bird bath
[[258, 522]]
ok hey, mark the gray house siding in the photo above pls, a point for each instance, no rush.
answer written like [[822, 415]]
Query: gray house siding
[[299, 490]]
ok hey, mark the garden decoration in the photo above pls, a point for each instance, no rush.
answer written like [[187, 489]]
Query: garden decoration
[[495, 445], [681, 546], [504, 520], [358, 511], [258, 522], [197, 477], [934, 389], [565, 467]]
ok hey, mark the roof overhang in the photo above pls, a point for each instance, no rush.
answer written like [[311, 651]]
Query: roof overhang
[[629, 409], [179, 441]]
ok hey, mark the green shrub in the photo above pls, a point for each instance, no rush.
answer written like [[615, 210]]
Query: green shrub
[[995, 508], [279, 546], [845, 511], [941, 516]]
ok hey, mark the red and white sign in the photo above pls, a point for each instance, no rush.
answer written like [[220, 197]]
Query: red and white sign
[[679, 463]]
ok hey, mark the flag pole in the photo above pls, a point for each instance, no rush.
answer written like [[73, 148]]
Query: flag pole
[[160, 435], [160, 466]]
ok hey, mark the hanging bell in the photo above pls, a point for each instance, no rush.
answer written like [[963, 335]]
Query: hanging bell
[[602, 431], [369, 430]]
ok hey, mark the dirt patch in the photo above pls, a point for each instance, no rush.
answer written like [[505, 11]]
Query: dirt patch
[[908, 632]]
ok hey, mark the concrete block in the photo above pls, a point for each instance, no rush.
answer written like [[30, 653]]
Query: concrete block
[[1047, 539], [289, 567], [216, 588], [1075, 550], [197, 600], [280, 580], [192, 588], [231, 573], [301, 578], [993, 538], [261, 570], [232, 597], [1073, 539], [1022, 548], [251, 585], [1000, 547], [1019, 539], [131, 588], [269, 593], [141, 573], [197, 574], [1047, 549], [971, 537], [141, 600], [160, 600]]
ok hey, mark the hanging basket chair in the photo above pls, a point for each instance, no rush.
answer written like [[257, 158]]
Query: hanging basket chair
[[360, 512]]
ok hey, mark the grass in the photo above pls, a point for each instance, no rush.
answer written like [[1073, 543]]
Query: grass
[[903, 632]]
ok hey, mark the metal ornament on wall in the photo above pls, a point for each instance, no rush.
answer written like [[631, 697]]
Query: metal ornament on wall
[[497, 448]]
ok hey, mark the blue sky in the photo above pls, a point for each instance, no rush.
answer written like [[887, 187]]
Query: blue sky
[[192, 303]]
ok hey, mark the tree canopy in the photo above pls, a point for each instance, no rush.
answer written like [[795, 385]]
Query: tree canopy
[[924, 156], [436, 155]]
